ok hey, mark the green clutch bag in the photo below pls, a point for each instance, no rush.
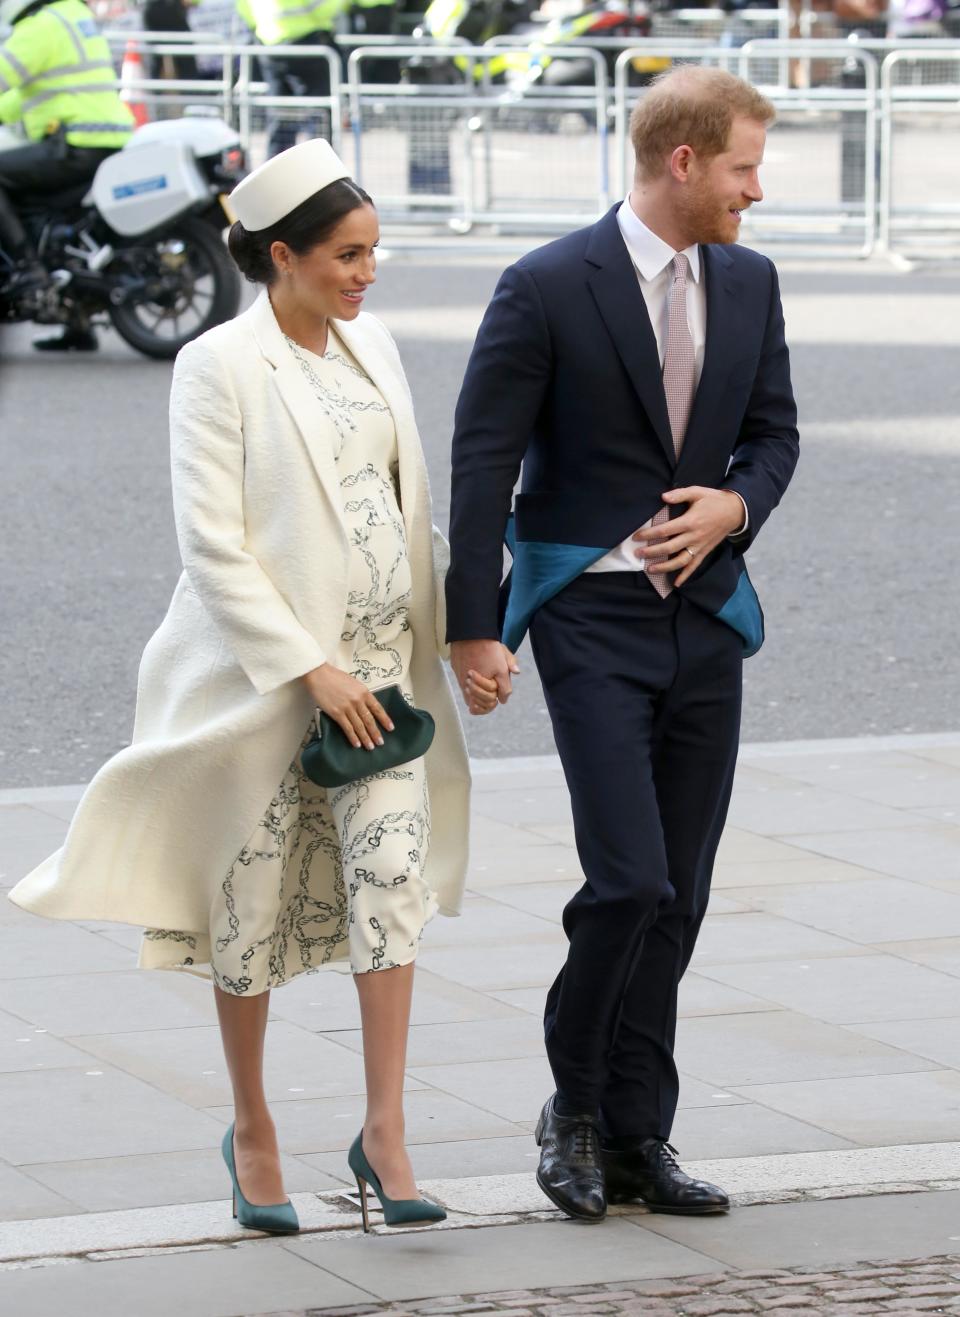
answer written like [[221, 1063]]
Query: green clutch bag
[[331, 761]]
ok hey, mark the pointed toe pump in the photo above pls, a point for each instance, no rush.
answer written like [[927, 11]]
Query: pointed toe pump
[[396, 1211], [275, 1219]]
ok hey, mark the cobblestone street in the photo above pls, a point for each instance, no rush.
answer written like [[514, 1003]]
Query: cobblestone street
[[928, 1286]]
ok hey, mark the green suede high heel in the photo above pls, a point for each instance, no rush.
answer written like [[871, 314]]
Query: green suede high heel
[[396, 1211], [275, 1219]]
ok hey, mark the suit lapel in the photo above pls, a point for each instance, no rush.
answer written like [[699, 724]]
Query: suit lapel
[[616, 291], [722, 345]]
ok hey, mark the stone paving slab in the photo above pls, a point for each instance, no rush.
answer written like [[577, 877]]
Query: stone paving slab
[[205, 1282], [931, 1285], [893, 1253], [479, 1200]]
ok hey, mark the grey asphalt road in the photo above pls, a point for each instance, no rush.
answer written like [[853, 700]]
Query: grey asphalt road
[[857, 571]]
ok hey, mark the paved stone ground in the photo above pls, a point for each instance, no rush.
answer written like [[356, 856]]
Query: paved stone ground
[[930, 1286], [820, 1017], [819, 1047], [820, 1027]]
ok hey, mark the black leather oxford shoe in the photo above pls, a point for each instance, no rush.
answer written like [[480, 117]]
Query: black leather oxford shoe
[[571, 1169], [646, 1171]]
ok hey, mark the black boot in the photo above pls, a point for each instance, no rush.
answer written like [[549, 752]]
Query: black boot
[[570, 1171], [26, 276], [646, 1171], [74, 338]]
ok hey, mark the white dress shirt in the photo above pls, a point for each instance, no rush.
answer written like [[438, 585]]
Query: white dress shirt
[[652, 259]]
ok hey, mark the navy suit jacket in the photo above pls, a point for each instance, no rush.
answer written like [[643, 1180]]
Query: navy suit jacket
[[565, 379]]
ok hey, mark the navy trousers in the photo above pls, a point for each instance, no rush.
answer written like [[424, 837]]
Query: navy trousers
[[644, 695]]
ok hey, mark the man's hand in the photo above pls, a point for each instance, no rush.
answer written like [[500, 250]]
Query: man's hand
[[483, 669], [682, 544]]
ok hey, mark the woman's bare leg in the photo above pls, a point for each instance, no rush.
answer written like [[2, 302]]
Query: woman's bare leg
[[385, 997], [243, 1025]]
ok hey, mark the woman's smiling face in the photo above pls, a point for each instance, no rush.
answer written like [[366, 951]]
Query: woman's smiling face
[[330, 280]]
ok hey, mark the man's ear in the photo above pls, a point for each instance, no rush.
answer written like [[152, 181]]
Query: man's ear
[[680, 163]]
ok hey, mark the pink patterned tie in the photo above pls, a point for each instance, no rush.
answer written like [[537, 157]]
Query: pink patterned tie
[[679, 381]]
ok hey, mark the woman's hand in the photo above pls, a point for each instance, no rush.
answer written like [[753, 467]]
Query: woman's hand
[[480, 693], [356, 710], [482, 667]]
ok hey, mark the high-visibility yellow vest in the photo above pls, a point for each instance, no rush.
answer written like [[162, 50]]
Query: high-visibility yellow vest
[[56, 72], [442, 20], [443, 17], [276, 22]]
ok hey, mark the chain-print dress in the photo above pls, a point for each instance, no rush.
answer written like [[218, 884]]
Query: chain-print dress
[[265, 924]]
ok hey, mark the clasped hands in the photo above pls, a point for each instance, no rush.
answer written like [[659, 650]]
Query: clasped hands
[[484, 668]]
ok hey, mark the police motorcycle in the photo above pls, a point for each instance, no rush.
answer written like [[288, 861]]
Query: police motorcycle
[[142, 245], [571, 22], [628, 20]]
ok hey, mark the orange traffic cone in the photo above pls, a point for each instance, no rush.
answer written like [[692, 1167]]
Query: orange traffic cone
[[132, 72]]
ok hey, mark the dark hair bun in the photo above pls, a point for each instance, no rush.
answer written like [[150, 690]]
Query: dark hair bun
[[311, 223], [252, 257]]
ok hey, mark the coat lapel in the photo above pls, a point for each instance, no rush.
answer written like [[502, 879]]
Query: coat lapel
[[616, 290], [297, 397], [300, 402]]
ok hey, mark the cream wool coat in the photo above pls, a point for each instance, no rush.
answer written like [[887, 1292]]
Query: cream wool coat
[[262, 600]]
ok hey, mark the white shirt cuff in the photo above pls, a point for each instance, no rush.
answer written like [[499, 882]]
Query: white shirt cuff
[[735, 535]]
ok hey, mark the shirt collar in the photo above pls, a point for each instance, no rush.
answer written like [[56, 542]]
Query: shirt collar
[[650, 254]]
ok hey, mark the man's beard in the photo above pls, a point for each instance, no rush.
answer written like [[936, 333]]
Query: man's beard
[[706, 219]]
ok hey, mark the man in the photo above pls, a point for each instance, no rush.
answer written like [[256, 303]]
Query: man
[[171, 16], [376, 18], [57, 77], [293, 23], [638, 370]]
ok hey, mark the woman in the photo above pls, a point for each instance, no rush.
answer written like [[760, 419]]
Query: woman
[[303, 517]]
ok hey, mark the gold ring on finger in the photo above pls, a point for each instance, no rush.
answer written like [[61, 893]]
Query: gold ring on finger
[[690, 551]]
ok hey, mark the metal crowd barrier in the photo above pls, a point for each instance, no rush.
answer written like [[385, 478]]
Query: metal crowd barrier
[[919, 147], [856, 161], [453, 143], [316, 116], [821, 177]]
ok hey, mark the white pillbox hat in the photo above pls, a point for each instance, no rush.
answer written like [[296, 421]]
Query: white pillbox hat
[[285, 182]]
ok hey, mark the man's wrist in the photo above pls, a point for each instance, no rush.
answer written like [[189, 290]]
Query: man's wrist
[[743, 518]]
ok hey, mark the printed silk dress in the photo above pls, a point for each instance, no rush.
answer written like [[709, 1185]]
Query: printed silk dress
[[266, 925]]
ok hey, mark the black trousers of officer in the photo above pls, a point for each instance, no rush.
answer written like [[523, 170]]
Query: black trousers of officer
[[170, 16], [286, 75], [377, 21], [49, 165], [644, 695]]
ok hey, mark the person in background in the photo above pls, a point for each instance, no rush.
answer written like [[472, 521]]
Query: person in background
[[376, 18], [916, 18], [170, 16], [57, 80], [293, 23]]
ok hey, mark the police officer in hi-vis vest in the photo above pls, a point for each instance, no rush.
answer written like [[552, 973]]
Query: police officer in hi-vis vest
[[293, 23], [56, 78]]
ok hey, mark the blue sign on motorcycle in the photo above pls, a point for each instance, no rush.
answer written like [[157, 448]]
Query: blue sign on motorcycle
[[142, 185]]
